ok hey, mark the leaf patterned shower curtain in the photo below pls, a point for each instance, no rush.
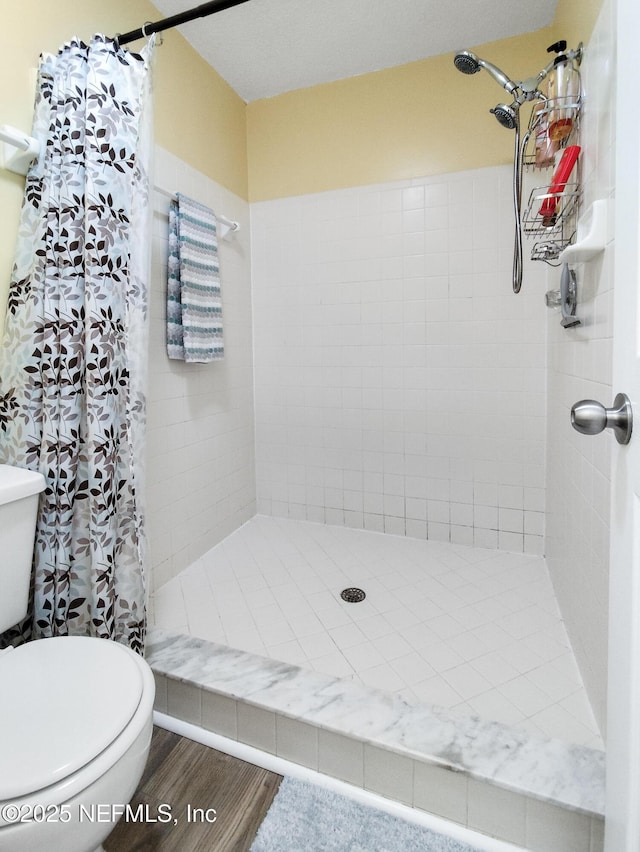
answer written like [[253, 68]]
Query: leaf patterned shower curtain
[[72, 366]]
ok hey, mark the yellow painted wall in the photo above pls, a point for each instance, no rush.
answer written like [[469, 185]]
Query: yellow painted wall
[[418, 119], [423, 118], [197, 115], [575, 20]]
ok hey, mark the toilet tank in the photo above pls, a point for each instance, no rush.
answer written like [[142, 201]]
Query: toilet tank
[[19, 490]]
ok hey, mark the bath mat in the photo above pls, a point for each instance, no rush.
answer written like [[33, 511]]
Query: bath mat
[[306, 818]]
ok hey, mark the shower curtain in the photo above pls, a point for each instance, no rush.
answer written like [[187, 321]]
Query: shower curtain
[[72, 368]]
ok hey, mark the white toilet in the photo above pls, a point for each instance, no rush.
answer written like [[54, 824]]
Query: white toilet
[[75, 712]]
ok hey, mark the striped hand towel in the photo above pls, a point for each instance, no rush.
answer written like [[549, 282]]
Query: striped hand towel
[[194, 306]]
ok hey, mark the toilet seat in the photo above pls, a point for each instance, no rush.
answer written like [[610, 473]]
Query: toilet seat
[[68, 699]]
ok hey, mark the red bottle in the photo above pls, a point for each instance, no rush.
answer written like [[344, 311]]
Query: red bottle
[[560, 178]]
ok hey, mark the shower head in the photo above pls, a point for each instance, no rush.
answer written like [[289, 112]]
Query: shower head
[[466, 62], [507, 115], [469, 63]]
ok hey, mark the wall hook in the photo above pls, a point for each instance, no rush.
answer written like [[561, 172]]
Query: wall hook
[[18, 150]]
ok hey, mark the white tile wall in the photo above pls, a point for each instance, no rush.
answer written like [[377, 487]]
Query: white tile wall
[[200, 438], [578, 475], [399, 384]]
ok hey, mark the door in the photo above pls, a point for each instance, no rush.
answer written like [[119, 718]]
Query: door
[[623, 729]]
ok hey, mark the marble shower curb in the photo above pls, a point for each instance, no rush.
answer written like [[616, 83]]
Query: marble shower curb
[[496, 779]]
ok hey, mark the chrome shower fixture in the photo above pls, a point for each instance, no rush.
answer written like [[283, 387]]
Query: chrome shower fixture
[[506, 114], [521, 90], [469, 63]]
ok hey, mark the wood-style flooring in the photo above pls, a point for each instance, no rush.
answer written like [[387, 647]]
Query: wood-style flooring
[[203, 801]]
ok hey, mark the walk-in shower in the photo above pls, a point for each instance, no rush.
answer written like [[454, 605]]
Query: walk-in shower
[[399, 449], [508, 115]]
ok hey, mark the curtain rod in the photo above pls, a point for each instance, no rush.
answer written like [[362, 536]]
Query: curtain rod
[[175, 20]]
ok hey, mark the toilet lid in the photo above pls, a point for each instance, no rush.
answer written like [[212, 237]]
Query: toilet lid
[[64, 700]]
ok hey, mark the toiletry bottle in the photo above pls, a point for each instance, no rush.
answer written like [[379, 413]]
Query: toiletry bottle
[[564, 91], [546, 147], [549, 207]]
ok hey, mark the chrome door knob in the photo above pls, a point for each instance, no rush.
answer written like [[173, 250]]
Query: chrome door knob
[[591, 417]]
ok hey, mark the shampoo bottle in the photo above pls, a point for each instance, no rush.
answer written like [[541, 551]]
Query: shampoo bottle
[[564, 93]]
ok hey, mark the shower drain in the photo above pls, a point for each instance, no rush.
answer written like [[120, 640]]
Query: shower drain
[[352, 595]]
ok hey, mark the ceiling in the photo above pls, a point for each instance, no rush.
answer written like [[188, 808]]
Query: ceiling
[[266, 47]]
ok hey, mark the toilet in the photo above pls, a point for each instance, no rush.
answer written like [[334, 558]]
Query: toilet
[[75, 714]]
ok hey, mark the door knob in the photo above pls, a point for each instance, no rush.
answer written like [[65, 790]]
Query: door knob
[[590, 417]]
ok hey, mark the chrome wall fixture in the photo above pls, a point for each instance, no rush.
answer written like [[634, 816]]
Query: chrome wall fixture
[[568, 297], [547, 212]]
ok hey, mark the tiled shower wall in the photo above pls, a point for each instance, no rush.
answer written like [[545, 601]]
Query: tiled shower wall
[[200, 438], [578, 483], [399, 384]]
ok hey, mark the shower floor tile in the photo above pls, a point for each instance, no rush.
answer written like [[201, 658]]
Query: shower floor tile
[[477, 631]]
